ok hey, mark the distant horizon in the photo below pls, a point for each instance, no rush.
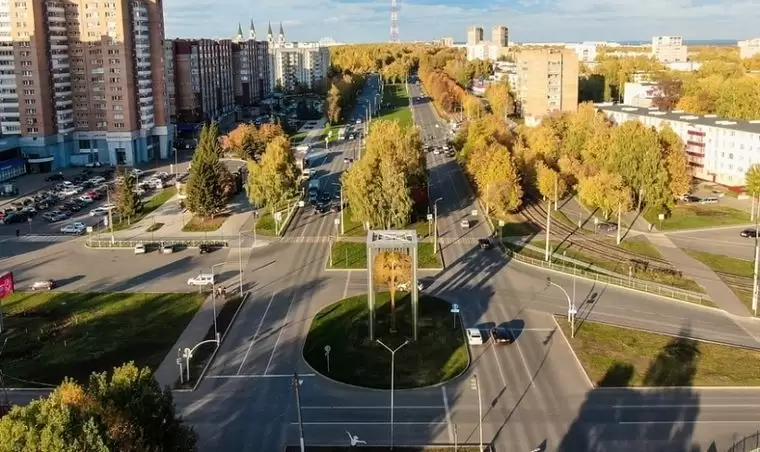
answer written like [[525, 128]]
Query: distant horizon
[[716, 42]]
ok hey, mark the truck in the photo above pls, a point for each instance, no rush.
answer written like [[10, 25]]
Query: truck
[[313, 190]]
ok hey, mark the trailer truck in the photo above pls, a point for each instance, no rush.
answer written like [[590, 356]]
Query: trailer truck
[[312, 190]]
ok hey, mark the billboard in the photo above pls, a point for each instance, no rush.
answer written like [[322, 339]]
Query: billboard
[[6, 284]]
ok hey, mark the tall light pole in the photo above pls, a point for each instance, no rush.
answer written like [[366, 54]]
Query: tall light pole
[[393, 371], [571, 310], [435, 224], [547, 254], [297, 388], [240, 260], [475, 385], [110, 212], [755, 286], [213, 299]]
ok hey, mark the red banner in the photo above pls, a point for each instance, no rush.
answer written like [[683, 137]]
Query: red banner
[[7, 286]]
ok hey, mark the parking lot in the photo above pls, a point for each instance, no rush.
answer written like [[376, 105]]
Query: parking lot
[[72, 204]]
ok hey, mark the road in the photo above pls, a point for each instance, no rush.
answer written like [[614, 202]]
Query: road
[[724, 241], [533, 392]]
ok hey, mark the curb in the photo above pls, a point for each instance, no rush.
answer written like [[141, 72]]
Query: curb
[[591, 384], [408, 390], [211, 359]]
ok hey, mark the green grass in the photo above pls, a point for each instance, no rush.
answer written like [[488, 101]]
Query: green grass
[[54, 335], [198, 224], [398, 110], [724, 264], [439, 354], [577, 252], [515, 226], [148, 207], [154, 227], [353, 255], [356, 229], [265, 224], [639, 245], [621, 357], [693, 216], [298, 137]]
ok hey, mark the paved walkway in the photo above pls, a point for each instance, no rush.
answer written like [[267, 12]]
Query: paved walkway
[[579, 214], [703, 275]]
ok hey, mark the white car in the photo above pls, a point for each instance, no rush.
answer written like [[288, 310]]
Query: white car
[[404, 287], [162, 175], [436, 151], [99, 211], [140, 249], [474, 336], [203, 279], [85, 199], [465, 224], [73, 228], [137, 172]]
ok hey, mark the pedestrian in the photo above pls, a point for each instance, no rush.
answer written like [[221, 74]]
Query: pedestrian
[[18, 232], [224, 292]]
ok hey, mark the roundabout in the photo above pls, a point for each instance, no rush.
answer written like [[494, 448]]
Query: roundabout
[[339, 338]]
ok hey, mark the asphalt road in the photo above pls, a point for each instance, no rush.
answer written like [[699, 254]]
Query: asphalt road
[[724, 241], [533, 392]]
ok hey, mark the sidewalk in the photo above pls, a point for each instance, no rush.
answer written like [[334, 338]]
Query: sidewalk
[[577, 212], [703, 275]]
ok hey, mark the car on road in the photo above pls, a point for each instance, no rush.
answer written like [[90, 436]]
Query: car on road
[[485, 244], [347, 160], [203, 279], [749, 233], [99, 212], [55, 178], [437, 151], [47, 284], [166, 248], [502, 335], [205, 248], [464, 224], [474, 336], [73, 228]]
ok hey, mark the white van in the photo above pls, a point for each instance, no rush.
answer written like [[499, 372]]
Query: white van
[[203, 279]]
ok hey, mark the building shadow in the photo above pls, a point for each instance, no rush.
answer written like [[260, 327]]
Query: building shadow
[[617, 417]]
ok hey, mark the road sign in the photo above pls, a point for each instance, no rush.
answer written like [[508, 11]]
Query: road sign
[[429, 216], [337, 221], [454, 308], [28, 219], [661, 216], [89, 229], [278, 216]]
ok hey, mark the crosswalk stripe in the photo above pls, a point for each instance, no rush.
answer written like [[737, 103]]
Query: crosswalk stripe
[[42, 238]]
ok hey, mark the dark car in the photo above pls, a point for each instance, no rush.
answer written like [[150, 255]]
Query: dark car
[[323, 208], [55, 178], [485, 244], [205, 248], [751, 233], [501, 335]]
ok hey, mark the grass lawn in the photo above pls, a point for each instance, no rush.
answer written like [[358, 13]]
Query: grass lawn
[[353, 255], [731, 270], [265, 224], [693, 216], [355, 229], [514, 226], [577, 252], [398, 109], [639, 245], [615, 356], [439, 354], [158, 200], [298, 137], [53, 335], [198, 224]]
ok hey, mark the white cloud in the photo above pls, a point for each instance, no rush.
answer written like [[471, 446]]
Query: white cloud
[[528, 20]]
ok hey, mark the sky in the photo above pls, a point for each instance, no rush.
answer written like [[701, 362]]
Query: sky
[[528, 20]]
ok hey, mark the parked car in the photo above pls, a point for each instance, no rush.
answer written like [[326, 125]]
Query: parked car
[[502, 335], [203, 279], [474, 336], [140, 249], [98, 212], [73, 228], [166, 248], [54, 178], [47, 284], [205, 248], [464, 224], [485, 244]]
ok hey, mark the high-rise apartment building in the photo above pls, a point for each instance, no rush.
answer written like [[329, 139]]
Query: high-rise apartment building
[[203, 83], [474, 35], [83, 81], [749, 48], [295, 63], [500, 36], [669, 49], [250, 63], [547, 82]]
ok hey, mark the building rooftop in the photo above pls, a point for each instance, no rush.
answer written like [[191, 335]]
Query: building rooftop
[[679, 115]]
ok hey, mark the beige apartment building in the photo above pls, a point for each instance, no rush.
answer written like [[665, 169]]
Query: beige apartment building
[[474, 35], [500, 36], [82, 81], [749, 48], [669, 49], [547, 82]]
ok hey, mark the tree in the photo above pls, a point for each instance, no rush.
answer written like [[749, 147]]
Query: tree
[[393, 268], [274, 179], [666, 94], [495, 177], [549, 183], [752, 179], [242, 141], [500, 99], [676, 164], [206, 187], [396, 205], [127, 199], [127, 412], [332, 105], [605, 191]]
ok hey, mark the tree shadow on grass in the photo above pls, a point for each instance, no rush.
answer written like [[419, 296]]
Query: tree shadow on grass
[[615, 417]]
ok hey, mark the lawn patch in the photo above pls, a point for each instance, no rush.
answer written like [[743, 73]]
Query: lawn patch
[[353, 255], [736, 273], [158, 200], [693, 216], [198, 224], [395, 106], [154, 227], [639, 245], [622, 357], [439, 354], [514, 226], [54, 335]]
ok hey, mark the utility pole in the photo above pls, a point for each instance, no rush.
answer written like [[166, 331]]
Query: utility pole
[[240, 260], [110, 212], [556, 193], [297, 386], [757, 263], [547, 254], [342, 223], [620, 214]]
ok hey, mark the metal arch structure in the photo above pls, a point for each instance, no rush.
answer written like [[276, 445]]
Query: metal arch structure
[[382, 240]]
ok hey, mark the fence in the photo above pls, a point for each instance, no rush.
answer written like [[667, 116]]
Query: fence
[[184, 243], [621, 281], [749, 443]]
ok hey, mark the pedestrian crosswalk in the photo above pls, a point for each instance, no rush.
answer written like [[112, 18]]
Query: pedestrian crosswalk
[[40, 238]]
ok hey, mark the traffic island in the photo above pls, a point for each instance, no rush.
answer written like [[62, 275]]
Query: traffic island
[[439, 354], [353, 256], [622, 357], [54, 335]]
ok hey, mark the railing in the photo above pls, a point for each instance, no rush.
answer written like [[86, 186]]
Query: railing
[[620, 281], [749, 443], [154, 243]]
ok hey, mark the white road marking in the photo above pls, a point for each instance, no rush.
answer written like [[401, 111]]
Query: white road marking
[[370, 423], [448, 414], [279, 335], [348, 281], [222, 377], [498, 364], [256, 334], [374, 407], [682, 422]]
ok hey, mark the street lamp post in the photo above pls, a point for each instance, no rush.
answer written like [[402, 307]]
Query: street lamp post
[[475, 385], [435, 224], [571, 310], [240, 260], [393, 365], [297, 387], [342, 227]]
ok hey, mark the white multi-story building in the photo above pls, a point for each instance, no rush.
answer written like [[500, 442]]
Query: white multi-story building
[[480, 49], [718, 150], [669, 49], [484, 50], [749, 48], [586, 51], [296, 63], [639, 94]]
